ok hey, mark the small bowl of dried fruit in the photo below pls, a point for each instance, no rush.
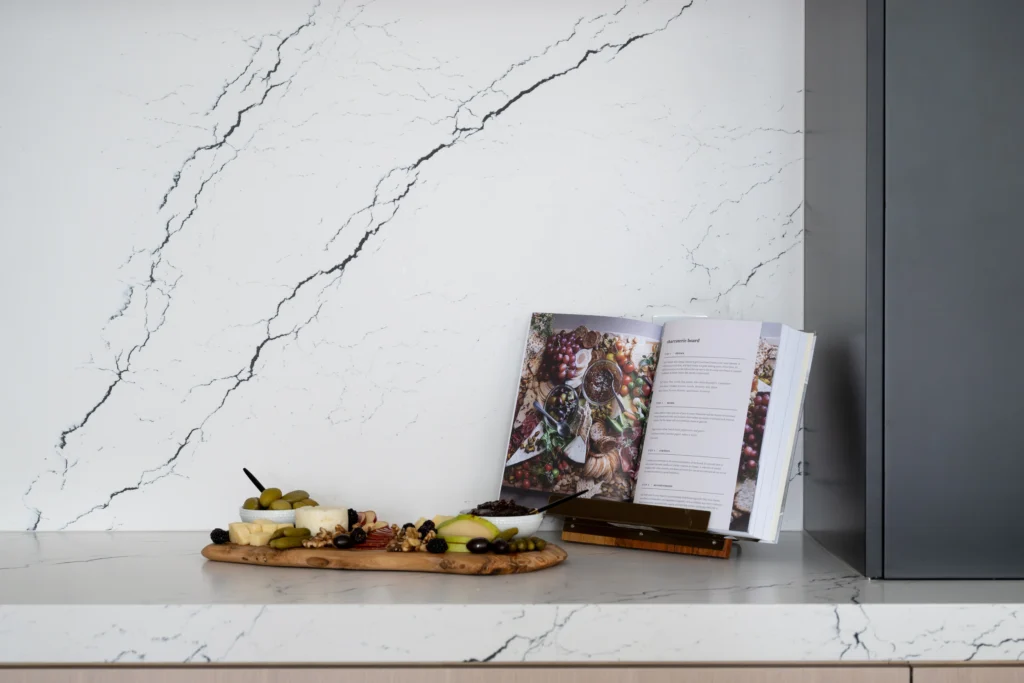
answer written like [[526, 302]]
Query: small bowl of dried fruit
[[507, 514]]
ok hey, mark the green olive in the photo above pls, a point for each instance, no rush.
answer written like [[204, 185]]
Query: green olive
[[286, 542], [295, 496], [540, 543], [290, 532], [280, 505], [269, 496], [251, 504]]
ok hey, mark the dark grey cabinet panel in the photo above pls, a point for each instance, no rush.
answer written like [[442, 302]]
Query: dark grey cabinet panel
[[842, 443], [913, 281], [954, 282]]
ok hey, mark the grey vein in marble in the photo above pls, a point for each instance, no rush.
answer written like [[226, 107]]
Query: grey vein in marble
[[298, 268], [389, 192]]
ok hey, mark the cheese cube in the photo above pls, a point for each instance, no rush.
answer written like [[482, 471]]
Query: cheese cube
[[238, 533], [259, 538]]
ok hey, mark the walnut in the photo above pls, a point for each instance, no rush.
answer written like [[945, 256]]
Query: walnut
[[406, 540], [323, 539], [422, 547]]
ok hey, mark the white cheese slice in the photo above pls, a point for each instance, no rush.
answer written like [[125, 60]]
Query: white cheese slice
[[316, 518]]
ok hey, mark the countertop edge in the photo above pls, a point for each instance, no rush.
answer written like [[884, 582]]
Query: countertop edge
[[534, 633]]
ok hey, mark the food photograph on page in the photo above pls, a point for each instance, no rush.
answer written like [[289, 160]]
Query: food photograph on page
[[754, 428], [582, 403]]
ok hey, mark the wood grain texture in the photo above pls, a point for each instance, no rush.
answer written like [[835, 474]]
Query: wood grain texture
[[382, 560], [969, 674], [575, 537], [466, 675]]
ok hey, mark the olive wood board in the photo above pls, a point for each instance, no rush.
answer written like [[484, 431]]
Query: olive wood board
[[382, 560]]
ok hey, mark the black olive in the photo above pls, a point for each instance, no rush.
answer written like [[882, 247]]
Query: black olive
[[343, 541], [478, 545], [500, 547]]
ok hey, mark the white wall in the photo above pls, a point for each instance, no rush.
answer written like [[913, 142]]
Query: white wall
[[307, 239]]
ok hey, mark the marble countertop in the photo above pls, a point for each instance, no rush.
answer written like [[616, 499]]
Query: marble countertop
[[150, 597]]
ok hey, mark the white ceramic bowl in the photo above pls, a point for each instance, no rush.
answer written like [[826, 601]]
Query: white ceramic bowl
[[527, 524], [275, 516]]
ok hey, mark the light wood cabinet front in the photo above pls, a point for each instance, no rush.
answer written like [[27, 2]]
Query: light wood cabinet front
[[972, 674], [894, 674]]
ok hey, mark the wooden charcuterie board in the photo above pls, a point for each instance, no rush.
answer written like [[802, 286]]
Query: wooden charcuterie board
[[382, 560]]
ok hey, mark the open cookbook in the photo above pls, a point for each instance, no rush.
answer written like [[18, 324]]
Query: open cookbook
[[696, 413]]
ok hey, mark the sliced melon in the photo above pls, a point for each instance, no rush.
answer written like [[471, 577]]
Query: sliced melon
[[469, 526], [461, 540], [457, 548]]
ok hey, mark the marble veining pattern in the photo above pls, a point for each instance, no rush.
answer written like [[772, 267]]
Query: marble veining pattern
[[268, 230], [504, 633]]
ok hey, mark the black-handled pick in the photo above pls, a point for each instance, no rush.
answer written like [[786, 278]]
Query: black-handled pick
[[254, 480], [560, 501]]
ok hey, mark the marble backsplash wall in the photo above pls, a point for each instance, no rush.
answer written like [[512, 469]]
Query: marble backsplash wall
[[306, 237]]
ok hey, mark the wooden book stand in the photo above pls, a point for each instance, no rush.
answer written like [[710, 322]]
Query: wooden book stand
[[646, 527]]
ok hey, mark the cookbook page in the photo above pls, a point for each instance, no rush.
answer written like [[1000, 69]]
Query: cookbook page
[[695, 435], [584, 392]]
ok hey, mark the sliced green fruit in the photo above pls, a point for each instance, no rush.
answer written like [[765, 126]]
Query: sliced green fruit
[[468, 525], [457, 548], [615, 424], [462, 540]]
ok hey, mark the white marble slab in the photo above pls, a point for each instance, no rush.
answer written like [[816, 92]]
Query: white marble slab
[[132, 597], [306, 237]]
